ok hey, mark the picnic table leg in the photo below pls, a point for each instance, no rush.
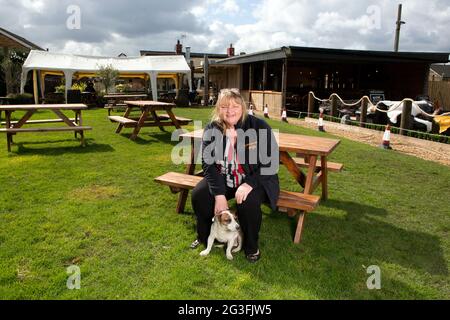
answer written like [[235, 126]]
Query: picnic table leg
[[299, 229], [292, 168], [76, 122], [324, 177], [156, 119], [140, 123], [173, 118], [190, 169], [8, 125], [80, 123], [311, 173]]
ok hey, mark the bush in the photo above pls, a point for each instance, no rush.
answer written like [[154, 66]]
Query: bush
[[60, 89], [81, 86]]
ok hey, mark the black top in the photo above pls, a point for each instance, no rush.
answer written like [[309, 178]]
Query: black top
[[262, 172]]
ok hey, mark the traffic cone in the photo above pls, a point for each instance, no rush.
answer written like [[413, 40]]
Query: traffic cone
[[266, 111], [321, 128], [386, 138], [284, 115]]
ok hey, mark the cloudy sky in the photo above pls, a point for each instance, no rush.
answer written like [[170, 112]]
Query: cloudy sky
[[110, 27]]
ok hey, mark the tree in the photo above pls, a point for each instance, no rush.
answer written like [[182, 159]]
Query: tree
[[11, 66], [108, 75]]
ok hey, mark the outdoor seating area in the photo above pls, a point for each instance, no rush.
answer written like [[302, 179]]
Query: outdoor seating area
[[113, 210], [224, 155], [14, 127], [292, 202], [148, 117]]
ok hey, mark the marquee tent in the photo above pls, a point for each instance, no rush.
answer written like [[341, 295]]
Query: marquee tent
[[78, 66]]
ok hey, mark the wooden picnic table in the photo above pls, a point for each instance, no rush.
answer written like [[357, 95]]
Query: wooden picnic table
[[14, 127], [311, 148], [118, 100], [148, 117]]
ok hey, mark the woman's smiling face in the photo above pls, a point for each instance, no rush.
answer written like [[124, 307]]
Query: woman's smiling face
[[230, 112]]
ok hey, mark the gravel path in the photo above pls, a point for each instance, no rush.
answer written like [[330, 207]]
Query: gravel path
[[424, 149]]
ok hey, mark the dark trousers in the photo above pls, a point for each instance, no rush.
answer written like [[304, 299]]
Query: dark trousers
[[249, 214]]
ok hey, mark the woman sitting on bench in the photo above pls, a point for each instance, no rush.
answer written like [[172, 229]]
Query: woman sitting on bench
[[232, 167]]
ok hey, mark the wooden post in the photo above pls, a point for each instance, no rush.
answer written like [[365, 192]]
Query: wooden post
[[310, 104], [264, 78], [425, 81], [250, 77], [334, 109], [283, 83], [206, 76], [406, 115], [264, 83], [363, 117]]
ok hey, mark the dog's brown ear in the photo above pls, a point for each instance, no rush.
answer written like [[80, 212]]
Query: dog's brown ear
[[217, 217]]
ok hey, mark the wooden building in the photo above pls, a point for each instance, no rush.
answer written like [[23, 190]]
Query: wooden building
[[284, 76]]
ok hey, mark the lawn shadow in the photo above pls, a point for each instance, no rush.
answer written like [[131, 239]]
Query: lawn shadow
[[411, 249], [145, 138], [54, 151], [328, 262]]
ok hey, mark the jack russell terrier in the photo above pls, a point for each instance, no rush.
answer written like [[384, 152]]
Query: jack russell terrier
[[225, 229]]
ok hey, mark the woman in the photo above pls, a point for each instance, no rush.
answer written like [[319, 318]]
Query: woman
[[234, 145]]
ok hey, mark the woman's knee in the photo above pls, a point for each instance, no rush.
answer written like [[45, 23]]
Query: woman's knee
[[253, 201]]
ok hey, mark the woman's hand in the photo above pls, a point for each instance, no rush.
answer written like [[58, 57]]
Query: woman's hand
[[242, 192], [221, 204]]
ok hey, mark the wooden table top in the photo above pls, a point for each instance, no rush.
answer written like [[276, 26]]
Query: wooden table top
[[291, 143], [149, 103], [74, 106]]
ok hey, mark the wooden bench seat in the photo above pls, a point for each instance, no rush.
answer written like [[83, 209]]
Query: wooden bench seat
[[125, 121], [331, 166], [40, 121], [294, 202], [17, 130]]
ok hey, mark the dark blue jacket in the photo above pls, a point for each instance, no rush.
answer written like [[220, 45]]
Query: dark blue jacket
[[253, 176]]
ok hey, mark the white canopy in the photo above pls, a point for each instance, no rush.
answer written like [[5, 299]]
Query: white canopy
[[71, 64]]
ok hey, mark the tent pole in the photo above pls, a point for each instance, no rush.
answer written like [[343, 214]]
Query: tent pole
[[189, 75], [23, 81], [42, 83], [68, 77], [35, 87], [154, 85]]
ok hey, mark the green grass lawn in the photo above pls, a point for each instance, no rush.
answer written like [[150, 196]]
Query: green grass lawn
[[99, 208]]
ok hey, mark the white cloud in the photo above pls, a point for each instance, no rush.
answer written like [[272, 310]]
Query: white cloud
[[230, 6], [211, 25]]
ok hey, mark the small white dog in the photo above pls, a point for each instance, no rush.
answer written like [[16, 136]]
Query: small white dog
[[226, 229]]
